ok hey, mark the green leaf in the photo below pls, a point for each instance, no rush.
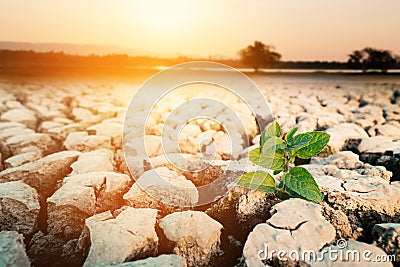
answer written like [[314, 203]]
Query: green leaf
[[273, 130], [301, 182], [280, 185], [282, 195], [293, 194], [272, 144], [317, 143], [259, 180], [298, 141], [263, 138], [290, 134], [271, 160], [277, 172], [254, 156]]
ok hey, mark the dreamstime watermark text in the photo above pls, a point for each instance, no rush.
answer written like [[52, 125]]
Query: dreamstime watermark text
[[340, 252]]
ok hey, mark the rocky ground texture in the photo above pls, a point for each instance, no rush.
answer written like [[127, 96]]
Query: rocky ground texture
[[67, 197]]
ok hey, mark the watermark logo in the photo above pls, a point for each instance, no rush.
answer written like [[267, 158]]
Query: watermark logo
[[171, 105], [341, 243]]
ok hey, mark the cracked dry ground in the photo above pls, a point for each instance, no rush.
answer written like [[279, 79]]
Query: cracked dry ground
[[68, 199]]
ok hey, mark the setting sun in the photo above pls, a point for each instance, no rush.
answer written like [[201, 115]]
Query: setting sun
[[163, 17]]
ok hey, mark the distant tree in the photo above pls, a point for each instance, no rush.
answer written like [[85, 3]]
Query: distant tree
[[372, 58], [357, 60], [259, 55]]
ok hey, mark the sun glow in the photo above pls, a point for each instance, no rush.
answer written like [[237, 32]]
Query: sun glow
[[163, 17]]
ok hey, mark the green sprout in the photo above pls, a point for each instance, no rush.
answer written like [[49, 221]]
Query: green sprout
[[276, 152]]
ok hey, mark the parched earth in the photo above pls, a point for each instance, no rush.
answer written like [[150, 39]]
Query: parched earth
[[67, 197]]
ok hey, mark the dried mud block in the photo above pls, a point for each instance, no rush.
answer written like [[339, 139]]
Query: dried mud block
[[83, 142], [100, 160], [162, 189], [44, 173], [21, 115], [12, 250], [295, 225], [128, 236], [195, 235], [82, 196], [19, 207]]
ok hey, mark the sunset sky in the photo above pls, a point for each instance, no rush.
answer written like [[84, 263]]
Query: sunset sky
[[300, 30]]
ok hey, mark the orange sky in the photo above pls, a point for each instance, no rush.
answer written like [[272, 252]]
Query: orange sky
[[300, 30]]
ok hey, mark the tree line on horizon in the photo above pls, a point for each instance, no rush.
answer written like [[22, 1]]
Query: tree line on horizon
[[256, 56], [260, 55]]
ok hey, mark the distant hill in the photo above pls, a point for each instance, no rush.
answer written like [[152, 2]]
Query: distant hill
[[73, 49]]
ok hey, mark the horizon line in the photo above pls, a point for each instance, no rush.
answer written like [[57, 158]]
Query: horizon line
[[136, 52], [195, 58]]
